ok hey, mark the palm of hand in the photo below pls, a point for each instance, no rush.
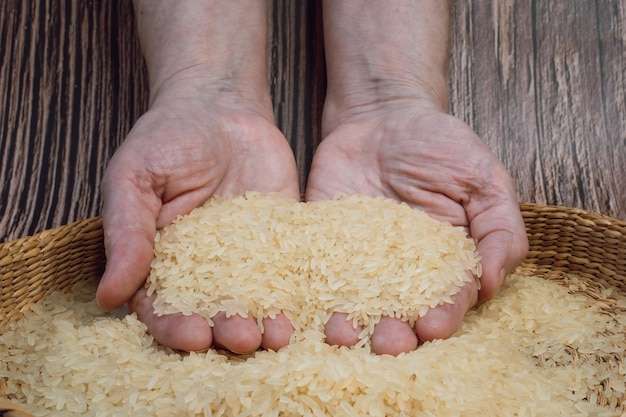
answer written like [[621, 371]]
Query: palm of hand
[[433, 162], [436, 163], [179, 156]]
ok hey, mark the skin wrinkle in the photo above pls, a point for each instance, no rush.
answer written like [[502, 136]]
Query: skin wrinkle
[[189, 179], [506, 224], [432, 202], [383, 103], [460, 186], [181, 75], [410, 177], [370, 179], [487, 192], [137, 182]]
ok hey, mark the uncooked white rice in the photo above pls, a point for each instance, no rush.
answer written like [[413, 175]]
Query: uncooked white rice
[[265, 254], [538, 349]]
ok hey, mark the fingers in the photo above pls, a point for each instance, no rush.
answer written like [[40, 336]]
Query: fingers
[[241, 335], [188, 333], [276, 332], [442, 321], [340, 331], [193, 333], [236, 333], [393, 336]]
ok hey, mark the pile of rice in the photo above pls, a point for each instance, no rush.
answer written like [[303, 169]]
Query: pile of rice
[[540, 348], [262, 255]]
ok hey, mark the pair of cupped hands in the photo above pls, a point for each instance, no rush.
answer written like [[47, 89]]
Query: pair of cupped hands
[[186, 149]]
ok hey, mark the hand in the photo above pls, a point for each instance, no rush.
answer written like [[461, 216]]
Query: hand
[[386, 133], [185, 149], [434, 162], [209, 131]]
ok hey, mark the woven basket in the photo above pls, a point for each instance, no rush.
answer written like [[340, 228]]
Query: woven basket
[[562, 240]]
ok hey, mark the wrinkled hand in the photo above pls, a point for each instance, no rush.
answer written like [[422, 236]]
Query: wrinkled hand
[[434, 162], [178, 155]]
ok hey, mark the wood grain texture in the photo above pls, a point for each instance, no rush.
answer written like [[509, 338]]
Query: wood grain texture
[[541, 81], [71, 89], [297, 76]]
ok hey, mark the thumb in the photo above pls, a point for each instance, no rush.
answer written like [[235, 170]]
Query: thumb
[[129, 219], [502, 244], [501, 252]]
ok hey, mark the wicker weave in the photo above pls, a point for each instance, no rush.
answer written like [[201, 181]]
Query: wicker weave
[[569, 240], [562, 240], [33, 267]]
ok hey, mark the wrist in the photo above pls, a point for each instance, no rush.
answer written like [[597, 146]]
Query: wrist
[[215, 46], [380, 56], [382, 94], [201, 87], [377, 92]]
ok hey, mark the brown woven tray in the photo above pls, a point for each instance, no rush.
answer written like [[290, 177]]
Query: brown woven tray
[[56, 259], [562, 240]]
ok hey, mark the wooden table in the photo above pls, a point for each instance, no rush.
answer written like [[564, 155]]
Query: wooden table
[[542, 82]]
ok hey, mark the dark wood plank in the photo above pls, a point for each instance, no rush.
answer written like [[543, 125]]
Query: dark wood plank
[[543, 83], [297, 74], [71, 89]]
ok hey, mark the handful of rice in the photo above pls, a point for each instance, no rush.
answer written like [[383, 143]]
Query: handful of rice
[[262, 255]]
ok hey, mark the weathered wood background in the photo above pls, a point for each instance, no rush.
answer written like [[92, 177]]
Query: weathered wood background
[[542, 81]]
